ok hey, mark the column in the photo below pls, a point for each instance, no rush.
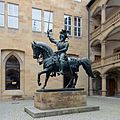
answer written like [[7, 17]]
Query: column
[[102, 52], [104, 90], [91, 87], [103, 13]]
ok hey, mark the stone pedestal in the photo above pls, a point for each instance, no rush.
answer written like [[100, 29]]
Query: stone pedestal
[[60, 98], [59, 102]]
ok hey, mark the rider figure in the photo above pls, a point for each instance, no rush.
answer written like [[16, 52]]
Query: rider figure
[[62, 47]]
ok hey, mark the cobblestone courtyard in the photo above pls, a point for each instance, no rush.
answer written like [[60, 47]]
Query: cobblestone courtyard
[[109, 110]]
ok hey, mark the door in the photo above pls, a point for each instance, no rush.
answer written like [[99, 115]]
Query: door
[[111, 87]]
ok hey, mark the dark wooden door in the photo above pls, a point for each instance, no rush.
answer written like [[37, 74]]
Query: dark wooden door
[[112, 87]]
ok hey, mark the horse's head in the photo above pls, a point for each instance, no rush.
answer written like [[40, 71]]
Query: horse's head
[[36, 51], [41, 49]]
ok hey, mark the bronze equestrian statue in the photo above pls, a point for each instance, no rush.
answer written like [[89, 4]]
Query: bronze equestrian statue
[[58, 62]]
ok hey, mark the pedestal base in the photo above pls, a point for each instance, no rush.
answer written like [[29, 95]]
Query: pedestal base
[[36, 113]]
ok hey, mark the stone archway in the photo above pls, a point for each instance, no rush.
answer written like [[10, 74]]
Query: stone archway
[[96, 50], [113, 82], [13, 72], [96, 18]]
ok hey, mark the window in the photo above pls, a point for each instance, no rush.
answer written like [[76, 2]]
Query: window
[[12, 16], [48, 21], [2, 14], [97, 57], [12, 74], [68, 24], [77, 26], [36, 20]]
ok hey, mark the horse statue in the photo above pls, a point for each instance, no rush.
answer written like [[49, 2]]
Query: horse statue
[[50, 63]]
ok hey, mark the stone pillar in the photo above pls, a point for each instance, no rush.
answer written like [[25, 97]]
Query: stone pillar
[[91, 87], [104, 90], [102, 52], [103, 13], [103, 18]]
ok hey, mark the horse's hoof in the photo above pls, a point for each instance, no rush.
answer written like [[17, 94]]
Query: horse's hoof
[[39, 84]]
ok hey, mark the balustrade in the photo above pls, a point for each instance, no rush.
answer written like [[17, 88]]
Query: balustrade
[[112, 58], [95, 33], [96, 63], [107, 60]]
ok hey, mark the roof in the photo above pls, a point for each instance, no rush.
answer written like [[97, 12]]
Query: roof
[[90, 3]]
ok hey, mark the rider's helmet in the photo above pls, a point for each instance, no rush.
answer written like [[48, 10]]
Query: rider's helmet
[[63, 34]]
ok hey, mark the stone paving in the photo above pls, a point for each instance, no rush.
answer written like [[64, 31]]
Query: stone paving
[[109, 110]]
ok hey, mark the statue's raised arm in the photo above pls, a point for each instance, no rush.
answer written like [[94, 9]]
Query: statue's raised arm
[[50, 37]]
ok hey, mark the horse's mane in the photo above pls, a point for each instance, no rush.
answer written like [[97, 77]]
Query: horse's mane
[[45, 47]]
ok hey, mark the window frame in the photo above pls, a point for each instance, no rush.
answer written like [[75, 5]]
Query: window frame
[[49, 20], [68, 25], [3, 14], [78, 27], [13, 16], [38, 20]]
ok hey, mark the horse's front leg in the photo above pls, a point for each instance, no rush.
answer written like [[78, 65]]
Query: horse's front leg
[[46, 80], [39, 74]]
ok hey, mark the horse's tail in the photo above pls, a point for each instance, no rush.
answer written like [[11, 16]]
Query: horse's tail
[[87, 66]]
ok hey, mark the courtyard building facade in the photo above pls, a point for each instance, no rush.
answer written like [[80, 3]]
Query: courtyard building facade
[[25, 21], [104, 40]]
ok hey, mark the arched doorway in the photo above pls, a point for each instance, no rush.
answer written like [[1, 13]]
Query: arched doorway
[[96, 18], [12, 73], [111, 85], [113, 81], [96, 50]]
